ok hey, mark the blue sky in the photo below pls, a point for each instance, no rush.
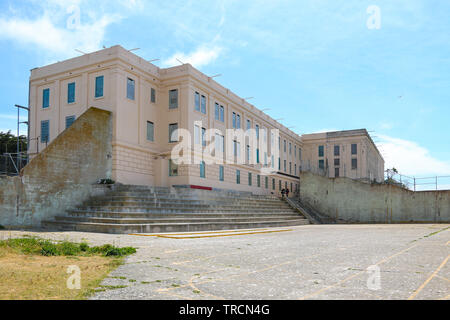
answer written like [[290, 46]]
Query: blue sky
[[316, 64]]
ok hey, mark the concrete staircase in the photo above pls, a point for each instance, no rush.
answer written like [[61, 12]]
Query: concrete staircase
[[141, 209]]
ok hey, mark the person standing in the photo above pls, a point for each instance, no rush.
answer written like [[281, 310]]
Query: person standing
[[287, 193], [282, 193]]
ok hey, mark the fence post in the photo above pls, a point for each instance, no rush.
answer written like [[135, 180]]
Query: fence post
[[414, 184], [436, 183]]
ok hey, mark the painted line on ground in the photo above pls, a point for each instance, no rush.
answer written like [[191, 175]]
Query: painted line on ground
[[209, 235], [186, 233], [429, 279], [354, 275]]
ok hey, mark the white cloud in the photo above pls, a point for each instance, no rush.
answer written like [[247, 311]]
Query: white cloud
[[202, 56], [409, 158], [43, 33]]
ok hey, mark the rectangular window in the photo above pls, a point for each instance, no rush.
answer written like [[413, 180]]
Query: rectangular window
[[203, 104], [221, 175], [150, 131], [236, 147], [290, 167], [234, 120], [173, 132], [238, 177], [336, 172], [202, 169], [265, 158], [284, 146], [173, 168], [336, 150], [257, 155], [220, 146], [222, 112], [272, 161], [46, 98], [45, 131], [290, 148], [258, 181], [320, 151], [238, 121], [249, 125], [69, 121], [130, 89], [257, 131], [217, 111], [266, 182], [249, 178], [295, 169], [354, 163], [354, 148], [337, 162], [152, 95], [71, 92], [273, 184], [284, 165], [295, 151], [99, 86], [173, 99], [299, 154], [197, 101], [321, 164], [279, 163], [279, 184], [248, 154], [196, 134], [204, 137]]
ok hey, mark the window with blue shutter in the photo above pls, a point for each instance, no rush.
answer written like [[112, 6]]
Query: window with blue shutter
[[203, 104], [173, 99], [221, 174], [173, 132], [130, 88], [45, 131], [202, 169], [150, 131], [99, 86], [197, 101], [71, 92], [69, 121], [152, 95], [46, 98]]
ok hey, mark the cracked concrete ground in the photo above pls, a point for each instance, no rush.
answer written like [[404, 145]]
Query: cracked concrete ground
[[305, 262]]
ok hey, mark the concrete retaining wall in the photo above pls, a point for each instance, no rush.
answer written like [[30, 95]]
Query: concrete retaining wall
[[62, 175], [351, 201]]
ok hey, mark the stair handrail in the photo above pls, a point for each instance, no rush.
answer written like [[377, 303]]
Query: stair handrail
[[302, 211]]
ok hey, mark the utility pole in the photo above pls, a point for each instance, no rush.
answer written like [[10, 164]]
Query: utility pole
[[18, 134]]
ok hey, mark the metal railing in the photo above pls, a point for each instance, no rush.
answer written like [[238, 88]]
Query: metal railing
[[417, 183]]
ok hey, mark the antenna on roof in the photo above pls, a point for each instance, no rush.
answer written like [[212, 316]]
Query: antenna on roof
[[216, 75], [80, 51], [179, 61], [153, 60], [248, 98], [279, 119], [133, 49]]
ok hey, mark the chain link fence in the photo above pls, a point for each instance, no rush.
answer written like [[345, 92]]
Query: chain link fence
[[12, 163]]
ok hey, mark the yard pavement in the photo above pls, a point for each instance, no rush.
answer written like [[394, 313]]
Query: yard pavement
[[304, 262]]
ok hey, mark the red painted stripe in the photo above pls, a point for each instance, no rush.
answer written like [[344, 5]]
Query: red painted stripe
[[200, 187]]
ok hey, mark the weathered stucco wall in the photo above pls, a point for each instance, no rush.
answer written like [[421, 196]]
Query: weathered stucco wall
[[62, 175], [357, 202]]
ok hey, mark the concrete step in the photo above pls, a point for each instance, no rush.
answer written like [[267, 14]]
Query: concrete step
[[186, 216], [167, 227], [171, 220], [179, 210]]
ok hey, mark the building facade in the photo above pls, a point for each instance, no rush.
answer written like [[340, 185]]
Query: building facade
[[350, 153], [150, 107]]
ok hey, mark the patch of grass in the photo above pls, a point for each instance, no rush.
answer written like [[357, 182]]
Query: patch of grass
[[121, 278], [175, 285], [196, 291], [36, 246], [145, 282], [34, 268], [113, 287], [132, 280], [436, 232]]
